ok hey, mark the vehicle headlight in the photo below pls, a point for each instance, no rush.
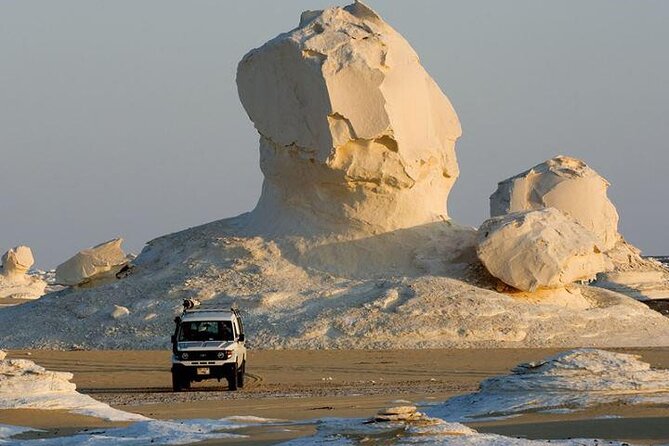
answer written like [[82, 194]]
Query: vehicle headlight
[[221, 355], [184, 355]]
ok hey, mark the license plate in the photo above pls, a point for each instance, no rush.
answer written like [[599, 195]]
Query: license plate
[[202, 370]]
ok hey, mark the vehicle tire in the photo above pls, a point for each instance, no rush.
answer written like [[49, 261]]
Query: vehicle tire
[[240, 377], [176, 381], [232, 378]]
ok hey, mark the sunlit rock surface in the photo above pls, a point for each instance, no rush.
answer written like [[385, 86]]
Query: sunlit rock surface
[[15, 282], [99, 262], [355, 136], [539, 249], [564, 183]]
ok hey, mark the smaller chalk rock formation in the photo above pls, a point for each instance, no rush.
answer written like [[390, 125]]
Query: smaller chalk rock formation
[[539, 249], [355, 136], [633, 275], [14, 279], [564, 183], [398, 413], [568, 184], [93, 266]]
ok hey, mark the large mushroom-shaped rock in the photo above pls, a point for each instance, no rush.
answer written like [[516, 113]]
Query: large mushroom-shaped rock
[[355, 136], [539, 249], [93, 264], [564, 183], [14, 279]]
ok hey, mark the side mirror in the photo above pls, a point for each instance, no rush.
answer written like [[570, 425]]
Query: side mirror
[[173, 338], [241, 338]]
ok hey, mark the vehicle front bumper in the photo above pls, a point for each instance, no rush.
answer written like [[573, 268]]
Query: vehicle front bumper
[[190, 369]]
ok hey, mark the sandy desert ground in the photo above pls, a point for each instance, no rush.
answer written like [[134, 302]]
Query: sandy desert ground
[[305, 385]]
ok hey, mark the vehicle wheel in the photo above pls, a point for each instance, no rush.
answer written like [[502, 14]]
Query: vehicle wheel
[[240, 377], [176, 381], [232, 378]]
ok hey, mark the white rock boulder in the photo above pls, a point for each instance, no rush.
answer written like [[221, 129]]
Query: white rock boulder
[[354, 134], [17, 261], [14, 279], [567, 184], [119, 312], [539, 249], [93, 264]]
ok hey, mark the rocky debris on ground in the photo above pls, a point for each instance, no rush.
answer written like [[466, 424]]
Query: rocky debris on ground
[[538, 249], [432, 431], [26, 385], [93, 265], [555, 183], [355, 136], [398, 413], [119, 312], [569, 381], [15, 282]]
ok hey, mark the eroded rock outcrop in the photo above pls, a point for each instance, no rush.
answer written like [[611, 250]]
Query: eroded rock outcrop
[[355, 136], [569, 381], [567, 184], [539, 249], [93, 264], [14, 279], [633, 275]]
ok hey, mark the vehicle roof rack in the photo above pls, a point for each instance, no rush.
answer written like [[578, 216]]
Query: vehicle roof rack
[[195, 306]]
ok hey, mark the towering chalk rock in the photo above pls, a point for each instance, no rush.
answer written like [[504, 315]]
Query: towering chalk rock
[[14, 280], [539, 249], [564, 183], [355, 136], [93, 264]]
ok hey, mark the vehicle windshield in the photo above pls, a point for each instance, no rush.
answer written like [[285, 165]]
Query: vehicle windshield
[[206, 331]]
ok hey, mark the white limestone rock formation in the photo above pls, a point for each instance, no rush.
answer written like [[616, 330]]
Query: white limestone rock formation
[[350, 239], [567, 184], [26, 385], [633, 275], [93, 265], [569, 381], [17, 262], [538, 249], [355, 136], [15, 282]]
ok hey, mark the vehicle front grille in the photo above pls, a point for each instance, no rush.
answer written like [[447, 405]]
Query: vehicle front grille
[[200, 356]]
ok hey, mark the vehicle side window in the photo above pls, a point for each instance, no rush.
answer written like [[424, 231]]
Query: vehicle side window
[[234, 324]]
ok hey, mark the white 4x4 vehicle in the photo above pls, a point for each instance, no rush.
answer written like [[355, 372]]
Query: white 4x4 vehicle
[[208, 343]]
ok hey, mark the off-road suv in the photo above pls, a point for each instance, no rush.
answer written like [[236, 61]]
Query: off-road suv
[[208, 343]]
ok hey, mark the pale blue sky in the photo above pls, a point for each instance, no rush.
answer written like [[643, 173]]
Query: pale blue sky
[[121, 118]]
